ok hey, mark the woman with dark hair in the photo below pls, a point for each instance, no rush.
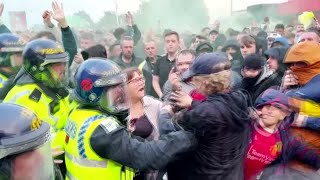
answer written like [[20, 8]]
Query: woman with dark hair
[[143, 113]]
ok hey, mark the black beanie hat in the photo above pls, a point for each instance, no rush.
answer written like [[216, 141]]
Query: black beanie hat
[[252, 61]]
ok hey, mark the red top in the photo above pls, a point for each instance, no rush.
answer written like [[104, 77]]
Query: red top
[[264, 148], [197, 96]]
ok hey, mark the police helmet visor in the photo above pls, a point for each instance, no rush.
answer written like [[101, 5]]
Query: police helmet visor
[[34, 164], [115, 98], [59, 74], [53, 71], [12, 49]]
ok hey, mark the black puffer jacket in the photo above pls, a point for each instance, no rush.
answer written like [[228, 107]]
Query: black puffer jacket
[[221, 126]]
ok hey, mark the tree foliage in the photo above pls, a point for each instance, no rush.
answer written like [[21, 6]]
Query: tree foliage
[[108, 21], [84, 15], [173, 14], [80, 19]]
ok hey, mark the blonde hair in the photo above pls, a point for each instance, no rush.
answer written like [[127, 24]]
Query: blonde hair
[[216, 82]]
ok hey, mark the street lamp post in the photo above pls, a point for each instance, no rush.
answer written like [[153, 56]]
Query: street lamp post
[[231, 7], [117, 15]]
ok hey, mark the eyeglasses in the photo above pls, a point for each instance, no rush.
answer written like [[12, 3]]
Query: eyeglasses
[[137, 80]]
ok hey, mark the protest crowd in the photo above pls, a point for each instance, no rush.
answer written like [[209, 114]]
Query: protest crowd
[[213, 105]]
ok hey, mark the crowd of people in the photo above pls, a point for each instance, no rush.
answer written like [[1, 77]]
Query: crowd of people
[[214, 105]]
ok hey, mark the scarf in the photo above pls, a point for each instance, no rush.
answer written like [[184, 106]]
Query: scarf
[[305, 74]]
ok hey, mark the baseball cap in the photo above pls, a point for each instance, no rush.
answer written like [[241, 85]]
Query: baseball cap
[[206, 64], [282, 41], [273, 35], [272, 97]]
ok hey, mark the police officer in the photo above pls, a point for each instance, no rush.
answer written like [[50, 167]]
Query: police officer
[[11, 48], [39, 85], [25, 151], [97, 143]]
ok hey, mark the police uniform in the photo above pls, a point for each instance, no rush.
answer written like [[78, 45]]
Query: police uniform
[[10, 44], [82, 162], [3, 79], [48, 106], [97, 144], [36, 89]]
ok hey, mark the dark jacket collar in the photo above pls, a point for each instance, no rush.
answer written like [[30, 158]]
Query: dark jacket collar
[[120, 61]]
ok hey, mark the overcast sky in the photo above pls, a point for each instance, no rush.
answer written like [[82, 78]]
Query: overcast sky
[[95, 8]]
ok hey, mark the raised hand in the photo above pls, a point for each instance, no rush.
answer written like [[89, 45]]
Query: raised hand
[[129, 18], [216, 25], [46, 16], [1, 8], [57, 14]]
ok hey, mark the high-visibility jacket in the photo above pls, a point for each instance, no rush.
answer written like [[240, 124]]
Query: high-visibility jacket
[[54, 111], [81, 161], [3, 79]]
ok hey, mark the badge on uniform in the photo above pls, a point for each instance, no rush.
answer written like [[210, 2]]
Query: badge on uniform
[[35, 95], [109, 125]]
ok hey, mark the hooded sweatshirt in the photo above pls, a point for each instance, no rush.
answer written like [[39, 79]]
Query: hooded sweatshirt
[[308, 53], [221, 126], [237, 59], [278, 53]]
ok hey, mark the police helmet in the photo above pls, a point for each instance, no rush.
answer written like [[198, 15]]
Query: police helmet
[[9, 44], [24, 139], [38, 58], [100, 82]]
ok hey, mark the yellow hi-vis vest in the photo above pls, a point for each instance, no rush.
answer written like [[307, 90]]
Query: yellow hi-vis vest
[[310, 108], [3, 79], [32, 97], [81, 161]]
